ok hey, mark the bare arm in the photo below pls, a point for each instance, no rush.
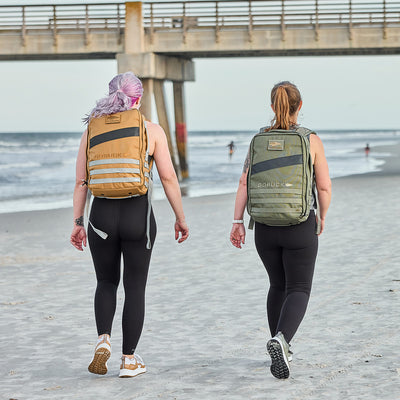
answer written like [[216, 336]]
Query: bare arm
[[238, 232], [78, 236], [322, 179], [169, 180]]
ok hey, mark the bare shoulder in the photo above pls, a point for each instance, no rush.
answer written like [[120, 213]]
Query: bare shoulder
[[84, 138], [315, 140], [84, 134], [316, 144], [155, 130], [157, 138]]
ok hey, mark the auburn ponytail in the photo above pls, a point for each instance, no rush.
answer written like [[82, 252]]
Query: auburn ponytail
[[285, 99]]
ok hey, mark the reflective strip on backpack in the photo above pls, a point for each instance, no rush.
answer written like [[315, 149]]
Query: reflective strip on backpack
[[277, 163], [114, 171], [270, 200], [114, 161], [113, 180], [113, 135], [274, 190], [262, 211]]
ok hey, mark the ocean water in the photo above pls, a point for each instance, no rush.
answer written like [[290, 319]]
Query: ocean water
[[37, 170]]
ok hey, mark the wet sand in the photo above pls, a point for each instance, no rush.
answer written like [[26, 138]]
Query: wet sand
[[205, 329]]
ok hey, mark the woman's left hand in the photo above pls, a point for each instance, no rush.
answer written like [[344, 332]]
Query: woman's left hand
[[321, 223], [78, 237], [182, 228], [238, 234]]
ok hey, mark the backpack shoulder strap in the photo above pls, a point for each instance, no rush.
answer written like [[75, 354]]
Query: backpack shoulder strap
[[149, 161]]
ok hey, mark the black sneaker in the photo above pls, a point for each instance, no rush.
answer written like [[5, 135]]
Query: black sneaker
[[278, 350]]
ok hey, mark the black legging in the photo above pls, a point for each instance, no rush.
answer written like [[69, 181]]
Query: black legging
[[288, 254], [125, 223]]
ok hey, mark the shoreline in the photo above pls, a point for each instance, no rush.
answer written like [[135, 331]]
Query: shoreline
[[390, 154], [390, 167]]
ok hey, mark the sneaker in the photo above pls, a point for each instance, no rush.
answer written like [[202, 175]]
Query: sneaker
[[102, 353], [131, 366], [278, 349], [290, 355]]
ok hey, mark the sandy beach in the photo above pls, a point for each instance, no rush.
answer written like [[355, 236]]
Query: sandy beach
[[205, 330]]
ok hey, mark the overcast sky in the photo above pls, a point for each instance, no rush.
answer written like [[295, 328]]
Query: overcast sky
[[349, 92]]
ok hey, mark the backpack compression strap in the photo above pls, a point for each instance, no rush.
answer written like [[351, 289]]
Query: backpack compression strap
[[251, 223], [149, 189]]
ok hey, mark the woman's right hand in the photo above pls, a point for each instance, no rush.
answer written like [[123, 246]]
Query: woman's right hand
[[238, 234], [78, 237], [182, 229]]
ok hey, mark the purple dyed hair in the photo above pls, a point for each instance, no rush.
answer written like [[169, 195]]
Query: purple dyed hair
[[123, 91]]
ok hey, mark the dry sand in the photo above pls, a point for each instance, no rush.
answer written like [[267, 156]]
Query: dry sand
[[205, 329]]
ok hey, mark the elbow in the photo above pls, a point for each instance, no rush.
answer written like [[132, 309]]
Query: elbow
[[325, 187], [168, 178], [80, 184], [243, 182]]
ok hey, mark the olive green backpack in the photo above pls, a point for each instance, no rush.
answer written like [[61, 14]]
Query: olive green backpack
[[280, 177]]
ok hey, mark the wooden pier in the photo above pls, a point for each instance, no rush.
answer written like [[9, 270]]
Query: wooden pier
[[159, 40]]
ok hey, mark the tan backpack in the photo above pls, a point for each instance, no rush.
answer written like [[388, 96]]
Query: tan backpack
[[118, 163]]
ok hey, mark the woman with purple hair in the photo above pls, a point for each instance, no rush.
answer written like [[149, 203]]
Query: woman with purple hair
[[125, 221]]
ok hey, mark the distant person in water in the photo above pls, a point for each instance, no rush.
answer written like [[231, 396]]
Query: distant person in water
[[231, 146], [367, 150]]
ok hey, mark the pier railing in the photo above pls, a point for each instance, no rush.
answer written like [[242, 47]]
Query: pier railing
[[196, 15], [268, 13], [61, 19], [251, 15]]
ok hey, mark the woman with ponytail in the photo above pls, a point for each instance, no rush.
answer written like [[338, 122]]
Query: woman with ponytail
[[287, 252], [130, 229], [124, 92]]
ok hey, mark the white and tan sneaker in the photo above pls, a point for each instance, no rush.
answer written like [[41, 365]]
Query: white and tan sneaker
[[102, 353], [131, 366]]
